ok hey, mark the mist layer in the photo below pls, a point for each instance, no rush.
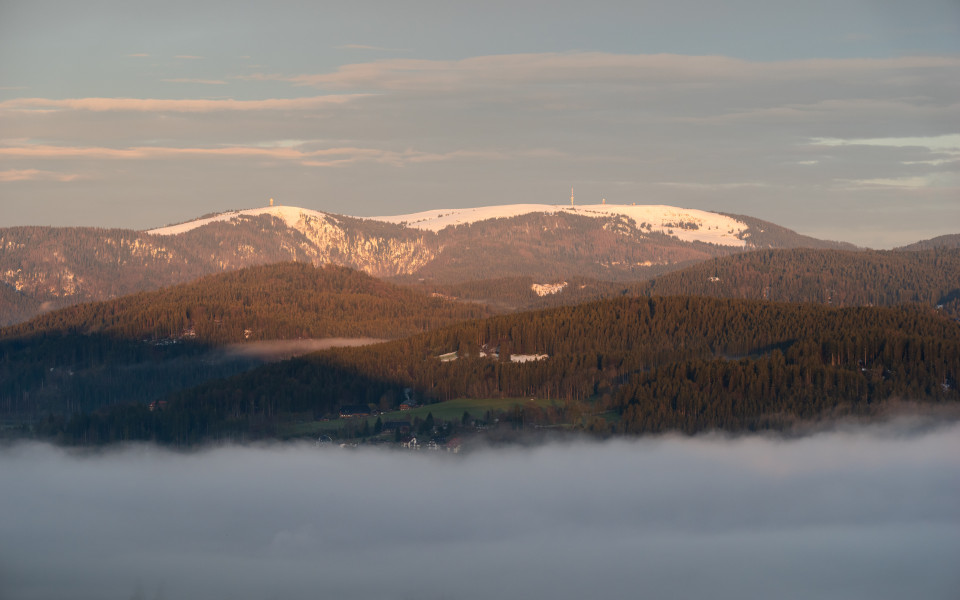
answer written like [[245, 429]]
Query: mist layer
[[871, 514]]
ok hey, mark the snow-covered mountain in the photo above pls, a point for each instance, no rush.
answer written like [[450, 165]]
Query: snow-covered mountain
[[685, 224], [58, 266]]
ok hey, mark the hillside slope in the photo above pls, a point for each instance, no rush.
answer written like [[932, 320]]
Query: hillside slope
[[141, 347], [280, 301]]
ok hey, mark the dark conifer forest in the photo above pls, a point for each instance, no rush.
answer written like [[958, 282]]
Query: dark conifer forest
[[630, 365], [141, 347]]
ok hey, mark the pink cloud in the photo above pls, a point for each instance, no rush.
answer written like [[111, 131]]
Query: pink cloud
[[187, 105], [35, 174], [368, 47], [327, 157], [597, 67], [200, 81]]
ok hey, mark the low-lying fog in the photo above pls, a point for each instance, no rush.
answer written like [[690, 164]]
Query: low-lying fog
[[871, 513], [271, 350]]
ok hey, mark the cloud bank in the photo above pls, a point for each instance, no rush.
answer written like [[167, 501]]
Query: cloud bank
[[866, 514]]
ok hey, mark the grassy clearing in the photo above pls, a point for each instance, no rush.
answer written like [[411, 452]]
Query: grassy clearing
[[454, 409], [447, 411]]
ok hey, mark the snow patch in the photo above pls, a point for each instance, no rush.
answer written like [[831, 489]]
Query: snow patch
[[291, 215], [545, 289], [448, 357], [522, 358]]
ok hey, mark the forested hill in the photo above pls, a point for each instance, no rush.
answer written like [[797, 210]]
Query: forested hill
[[834, 277], [280, 301], [944, 241], [647, 364]]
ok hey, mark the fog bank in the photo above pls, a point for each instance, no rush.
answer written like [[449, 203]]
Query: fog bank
[[870, 513]]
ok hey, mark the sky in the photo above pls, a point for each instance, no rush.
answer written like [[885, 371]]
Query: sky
[[836, 118], [859, 514]]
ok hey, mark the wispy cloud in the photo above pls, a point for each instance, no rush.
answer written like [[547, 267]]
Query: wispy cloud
[[949, 143], [175, 105], [595, 67], [188, 57], [713, 186], [198, 81], [325, 157], [367, 47], [11, 175], [943, 181]]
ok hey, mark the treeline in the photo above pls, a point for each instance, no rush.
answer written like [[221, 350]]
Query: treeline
[[676, 363], [951, 240]]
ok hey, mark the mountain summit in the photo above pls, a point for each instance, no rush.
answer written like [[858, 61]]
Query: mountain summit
[[688, 225]]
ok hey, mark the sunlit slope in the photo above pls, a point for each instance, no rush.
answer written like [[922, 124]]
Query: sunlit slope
[[281, 301]]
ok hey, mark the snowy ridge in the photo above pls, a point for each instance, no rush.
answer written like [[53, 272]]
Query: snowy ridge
[[685, 224], [291, 215]]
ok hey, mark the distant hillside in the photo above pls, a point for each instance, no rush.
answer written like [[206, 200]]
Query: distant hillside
[[944, 241], [835, 277], [56, 267]]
